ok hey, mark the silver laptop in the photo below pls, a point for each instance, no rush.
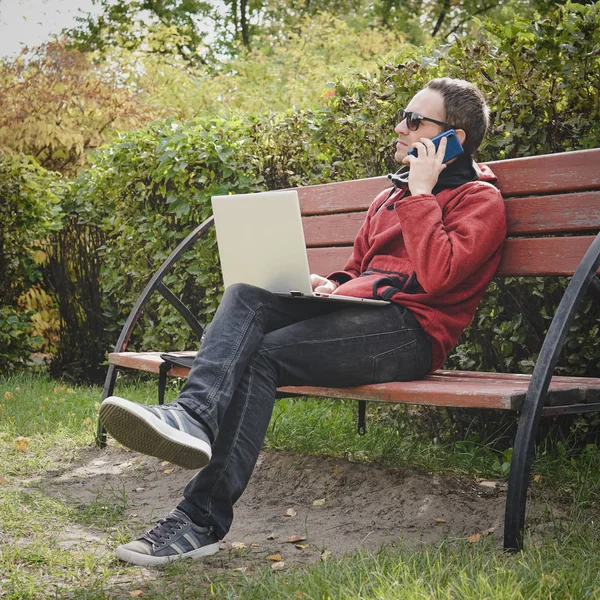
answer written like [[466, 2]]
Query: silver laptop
[[261, 242]]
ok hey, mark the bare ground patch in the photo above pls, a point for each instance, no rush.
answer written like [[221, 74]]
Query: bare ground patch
[[358, 505]]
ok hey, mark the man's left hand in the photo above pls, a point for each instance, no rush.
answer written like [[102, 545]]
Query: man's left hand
[[425, 168]]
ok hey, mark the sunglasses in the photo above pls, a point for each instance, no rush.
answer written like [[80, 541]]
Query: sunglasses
[[413, 120]]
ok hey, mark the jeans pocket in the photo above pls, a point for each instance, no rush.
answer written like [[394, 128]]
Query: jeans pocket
[[399, 364]]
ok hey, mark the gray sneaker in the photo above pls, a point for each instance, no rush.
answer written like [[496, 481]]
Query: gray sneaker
[[167, 432], [171, 538]]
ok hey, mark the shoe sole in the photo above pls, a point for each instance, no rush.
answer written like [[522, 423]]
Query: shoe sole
[[147, 560], [136, 428]]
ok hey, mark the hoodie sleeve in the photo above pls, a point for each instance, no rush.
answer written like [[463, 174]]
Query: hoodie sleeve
[[448, 247], [361, 245]]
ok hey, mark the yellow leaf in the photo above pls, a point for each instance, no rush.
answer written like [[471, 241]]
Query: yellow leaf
[[136, 593], [325, 555], [473, 539], [168, 471], [536, 478], [8, 395], [319, 502], [274, 557], [296, 538], [335, 469], [2, 480], [277, 566], [22, 444], [301, 546]]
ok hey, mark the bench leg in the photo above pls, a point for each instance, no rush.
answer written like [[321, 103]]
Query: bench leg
[[516, 499], [109, 386], [518, 481]]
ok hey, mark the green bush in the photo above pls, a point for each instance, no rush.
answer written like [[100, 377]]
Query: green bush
[[29, 212]]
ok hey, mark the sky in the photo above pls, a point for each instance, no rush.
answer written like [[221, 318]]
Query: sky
[[32, 22]]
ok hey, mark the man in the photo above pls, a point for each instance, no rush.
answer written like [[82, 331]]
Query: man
[[429, 245]]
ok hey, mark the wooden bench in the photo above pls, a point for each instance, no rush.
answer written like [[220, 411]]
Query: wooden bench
[[553, 214]]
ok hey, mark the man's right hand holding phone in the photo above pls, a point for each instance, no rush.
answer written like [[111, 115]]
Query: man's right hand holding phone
[[425, 168]]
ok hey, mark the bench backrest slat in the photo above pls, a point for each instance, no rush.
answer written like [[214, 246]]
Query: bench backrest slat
[[525, 257], [549, 173], [556, 213], [542, 215]]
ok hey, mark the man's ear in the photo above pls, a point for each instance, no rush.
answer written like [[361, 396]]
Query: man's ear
[[461, 135]]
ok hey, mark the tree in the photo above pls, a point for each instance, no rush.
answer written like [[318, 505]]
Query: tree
[[57, 105], [131, 24]]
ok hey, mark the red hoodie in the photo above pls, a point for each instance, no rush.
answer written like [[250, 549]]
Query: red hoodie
[[435, 255]]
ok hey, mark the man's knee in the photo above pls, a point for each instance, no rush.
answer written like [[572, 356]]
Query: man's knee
[[244, 293]]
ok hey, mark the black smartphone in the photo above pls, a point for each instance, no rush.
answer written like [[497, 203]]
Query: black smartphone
[[453, 147]]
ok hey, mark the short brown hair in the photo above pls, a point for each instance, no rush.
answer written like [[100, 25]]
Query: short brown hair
[[465, 108]]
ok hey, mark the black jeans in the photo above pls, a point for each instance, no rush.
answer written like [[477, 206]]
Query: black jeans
[[258, 341]]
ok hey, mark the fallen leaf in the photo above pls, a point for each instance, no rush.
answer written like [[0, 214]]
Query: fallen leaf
[[140, 489], [254, 545], [136, 593], [477, 536], [168, 471], [271, 536], [8, 395], [538, 478], [275, 557], [439, 520], [241, 569], [489, 484], [325, 555], [164, 463], [2, 480], [301, 546], [277, 566], [319, 502], [290, 512], [22, 444], [238, 545], [335, 469], [296, 538]]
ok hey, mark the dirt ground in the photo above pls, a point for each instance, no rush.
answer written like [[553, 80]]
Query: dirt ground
[[337, 505]]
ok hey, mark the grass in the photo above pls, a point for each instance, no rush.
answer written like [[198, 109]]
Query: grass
[[58, 423]]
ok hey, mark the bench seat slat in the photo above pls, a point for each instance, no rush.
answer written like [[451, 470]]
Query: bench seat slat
[[442, 388], [521, 256]]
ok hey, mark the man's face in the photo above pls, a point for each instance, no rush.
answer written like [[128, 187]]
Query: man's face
[[428, 103]]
